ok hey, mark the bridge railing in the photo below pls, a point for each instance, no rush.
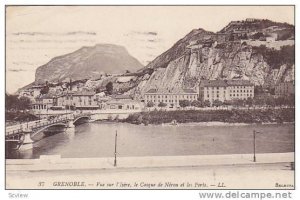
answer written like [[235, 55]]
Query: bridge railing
[[38, 124], [41, 123]]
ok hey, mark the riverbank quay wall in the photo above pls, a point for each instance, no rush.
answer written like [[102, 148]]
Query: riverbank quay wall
[[55, 162]]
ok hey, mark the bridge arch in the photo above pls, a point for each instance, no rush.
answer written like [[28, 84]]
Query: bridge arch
[[61, 124], [81, 118]]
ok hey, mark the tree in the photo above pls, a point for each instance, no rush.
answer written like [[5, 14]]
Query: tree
[[150, 104], [217, 103], [238, 102], [10, 101], [162, 104], [196, 103], [249, 101], [244, 37], [279, 101], [24, 103], [257, 35], [258, 89], [45, 90], [227, 103], [15, 103], [109, 88], [270, 101], [184, 103], [231, 37], [259, 101], [290, 100], [206, 103]]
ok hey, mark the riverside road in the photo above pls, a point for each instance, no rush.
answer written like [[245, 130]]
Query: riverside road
[[272, 171]]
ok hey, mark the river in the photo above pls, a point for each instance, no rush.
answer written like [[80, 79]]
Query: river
[[97, 140]]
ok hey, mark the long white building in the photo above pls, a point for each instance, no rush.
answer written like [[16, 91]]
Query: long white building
[[170, 97], [222, 90]]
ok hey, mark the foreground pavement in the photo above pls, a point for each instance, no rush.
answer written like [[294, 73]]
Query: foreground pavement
[[238, 171]]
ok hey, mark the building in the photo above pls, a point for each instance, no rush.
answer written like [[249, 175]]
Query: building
[[169, 97], [44, 102], [252, 20], [285, 88], [27, 93], [225, 90], [272, 37], [123, 104], [36, 89], [78, 100], [32, 92]]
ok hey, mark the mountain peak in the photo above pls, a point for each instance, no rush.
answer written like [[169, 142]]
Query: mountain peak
[[88, 62]]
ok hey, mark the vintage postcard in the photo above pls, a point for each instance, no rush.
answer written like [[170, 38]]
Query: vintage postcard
[[150, 97]]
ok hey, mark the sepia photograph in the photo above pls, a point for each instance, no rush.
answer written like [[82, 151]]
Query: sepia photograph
[[131, 97]]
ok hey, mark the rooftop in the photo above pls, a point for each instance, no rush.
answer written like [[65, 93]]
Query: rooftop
[[78, 93], [213, 83], [239, 83], [46, 96], [171, 91], [121, 96], [84, 93], [224, 83], [121, 101]]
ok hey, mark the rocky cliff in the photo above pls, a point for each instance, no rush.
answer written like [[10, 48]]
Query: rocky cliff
[[206, 55], [87, 63], [248, 50]]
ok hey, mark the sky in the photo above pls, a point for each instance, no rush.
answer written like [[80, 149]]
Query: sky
[[36, 34]]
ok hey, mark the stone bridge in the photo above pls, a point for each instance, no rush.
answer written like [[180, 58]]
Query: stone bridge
[[21, 134]]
